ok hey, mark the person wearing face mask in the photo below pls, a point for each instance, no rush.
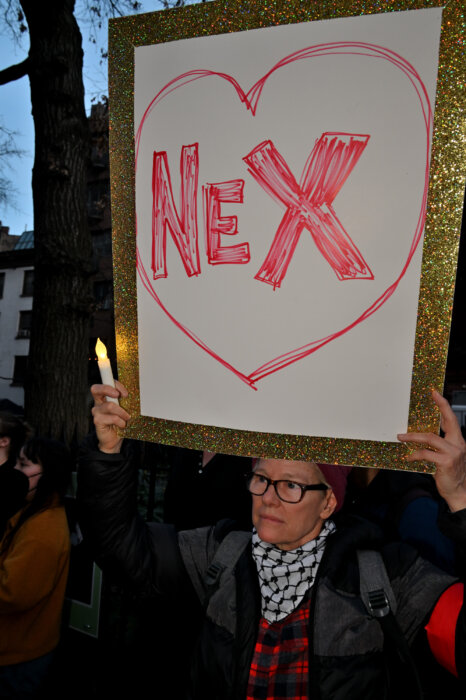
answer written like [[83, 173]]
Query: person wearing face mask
[[34, 562], [13, 434]]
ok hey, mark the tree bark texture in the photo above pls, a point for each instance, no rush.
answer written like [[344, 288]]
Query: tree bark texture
[[56, 388]]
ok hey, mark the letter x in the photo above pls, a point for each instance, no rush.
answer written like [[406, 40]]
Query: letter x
[[309, 204]]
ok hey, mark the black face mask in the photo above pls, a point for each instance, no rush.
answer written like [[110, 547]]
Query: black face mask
[[14, 487]]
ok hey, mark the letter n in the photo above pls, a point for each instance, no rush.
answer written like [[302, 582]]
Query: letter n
[[164, 213]]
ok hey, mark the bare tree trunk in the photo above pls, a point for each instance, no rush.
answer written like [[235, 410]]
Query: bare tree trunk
[[56, 389]]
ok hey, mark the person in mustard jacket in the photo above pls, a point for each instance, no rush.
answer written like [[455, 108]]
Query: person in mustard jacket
[[34, 562]]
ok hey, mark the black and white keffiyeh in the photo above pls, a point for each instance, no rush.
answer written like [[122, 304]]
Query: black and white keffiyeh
[[286, 576]]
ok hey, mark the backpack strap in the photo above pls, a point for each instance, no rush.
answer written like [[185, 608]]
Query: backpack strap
[[225, 559], [376, 591], [379, 599], [208, 553]]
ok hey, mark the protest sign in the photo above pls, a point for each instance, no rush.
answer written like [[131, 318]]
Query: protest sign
[[286, 213]]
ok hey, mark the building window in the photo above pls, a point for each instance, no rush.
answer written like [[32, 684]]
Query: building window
[[2, 283], [28, 283], [19, 372], [24, 325]]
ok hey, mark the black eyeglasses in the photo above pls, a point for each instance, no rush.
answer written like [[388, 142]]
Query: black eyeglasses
[[286, 490]]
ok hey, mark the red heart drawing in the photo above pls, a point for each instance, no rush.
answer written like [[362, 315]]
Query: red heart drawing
[[250, 100]]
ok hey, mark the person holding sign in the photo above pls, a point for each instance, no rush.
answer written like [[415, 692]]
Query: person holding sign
[[309, 607]]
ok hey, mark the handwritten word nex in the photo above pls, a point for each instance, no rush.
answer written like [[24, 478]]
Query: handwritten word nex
[[308, 205]]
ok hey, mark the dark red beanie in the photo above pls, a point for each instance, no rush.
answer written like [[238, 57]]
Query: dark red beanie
[[336, 475]]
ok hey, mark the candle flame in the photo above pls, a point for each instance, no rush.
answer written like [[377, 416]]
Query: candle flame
[[101, 350]]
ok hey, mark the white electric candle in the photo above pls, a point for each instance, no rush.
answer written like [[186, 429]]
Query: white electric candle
[[105, 367]]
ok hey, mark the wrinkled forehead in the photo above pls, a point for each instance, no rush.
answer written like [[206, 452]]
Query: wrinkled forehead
[[287, 469]]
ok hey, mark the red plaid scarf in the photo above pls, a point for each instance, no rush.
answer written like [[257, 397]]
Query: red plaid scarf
[[280, 665]]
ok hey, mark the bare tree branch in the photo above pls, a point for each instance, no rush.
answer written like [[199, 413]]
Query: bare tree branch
[[19, 70], [13, 19], [8, 149]]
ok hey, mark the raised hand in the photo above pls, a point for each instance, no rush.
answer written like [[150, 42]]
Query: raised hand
[[109, 416], [447, 453]]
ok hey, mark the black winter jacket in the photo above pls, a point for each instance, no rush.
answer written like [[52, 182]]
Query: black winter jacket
[[349, 658]]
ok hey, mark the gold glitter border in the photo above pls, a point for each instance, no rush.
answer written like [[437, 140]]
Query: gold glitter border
[[445, 204]]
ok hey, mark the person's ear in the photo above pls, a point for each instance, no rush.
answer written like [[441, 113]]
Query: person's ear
[[5, 442], [329, 505]]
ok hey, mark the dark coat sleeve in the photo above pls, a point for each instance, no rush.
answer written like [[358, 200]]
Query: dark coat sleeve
[[145, 555]]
